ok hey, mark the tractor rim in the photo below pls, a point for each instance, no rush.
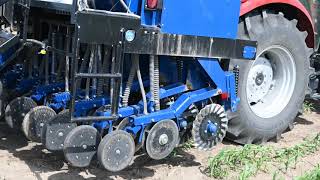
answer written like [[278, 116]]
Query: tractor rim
[[271, 81]]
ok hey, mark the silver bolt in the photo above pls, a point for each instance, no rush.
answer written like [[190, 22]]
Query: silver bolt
[[163, 139], [84, 146], [60, 134], [118, 152]]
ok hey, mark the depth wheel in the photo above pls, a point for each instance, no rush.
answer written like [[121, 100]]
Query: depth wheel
[[35, 120], [162, 138], [16, 110], [55, 131], [271, 88], [80, 145], [116, 151]]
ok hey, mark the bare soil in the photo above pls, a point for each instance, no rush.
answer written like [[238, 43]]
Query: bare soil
[[20, 159]]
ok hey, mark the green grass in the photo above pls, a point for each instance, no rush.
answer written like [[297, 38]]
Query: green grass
[[311, 175], [308, 107], [250, 159], [186, 146]]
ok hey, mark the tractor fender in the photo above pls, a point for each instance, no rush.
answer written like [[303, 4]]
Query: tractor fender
[[304, 19]]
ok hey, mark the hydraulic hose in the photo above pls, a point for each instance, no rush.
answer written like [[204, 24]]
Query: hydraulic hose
[[112, 13], [67, 68], [125, 6], [95, 70], [34, 41], [143, 92], [126, 94]]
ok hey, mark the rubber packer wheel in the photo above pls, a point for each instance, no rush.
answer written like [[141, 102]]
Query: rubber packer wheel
[[271, 88], [116, 150], [162, 138], [80, 145]]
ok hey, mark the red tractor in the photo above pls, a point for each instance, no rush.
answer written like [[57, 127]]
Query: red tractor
[[287, 36]]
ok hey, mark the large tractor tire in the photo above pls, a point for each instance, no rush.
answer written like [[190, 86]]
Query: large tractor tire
[[271, 88]]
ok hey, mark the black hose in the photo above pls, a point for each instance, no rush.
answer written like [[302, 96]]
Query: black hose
[[143, 92]]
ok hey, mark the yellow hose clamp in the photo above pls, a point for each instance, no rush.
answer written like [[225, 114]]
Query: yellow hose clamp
[[43, 52]]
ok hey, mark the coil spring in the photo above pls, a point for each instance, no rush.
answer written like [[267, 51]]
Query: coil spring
[[126, 94], [156, 83], [180, 69], [236, 75]]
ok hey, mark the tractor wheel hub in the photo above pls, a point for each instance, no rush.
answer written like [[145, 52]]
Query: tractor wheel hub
[[271, 81]]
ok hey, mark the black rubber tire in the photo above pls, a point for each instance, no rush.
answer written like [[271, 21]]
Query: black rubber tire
[[72, 148], [107, 150], [269, 28]]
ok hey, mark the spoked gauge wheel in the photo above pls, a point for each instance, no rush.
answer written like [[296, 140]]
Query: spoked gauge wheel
[[116, 150], [162, 138], [35, 120], [209, 127], [16, 110], [80, 145], [55, 131], [272, 87]]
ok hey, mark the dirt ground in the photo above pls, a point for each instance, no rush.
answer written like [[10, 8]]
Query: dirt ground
[[20, 159]]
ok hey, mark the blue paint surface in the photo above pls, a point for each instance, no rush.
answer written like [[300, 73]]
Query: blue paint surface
[[201, 17]]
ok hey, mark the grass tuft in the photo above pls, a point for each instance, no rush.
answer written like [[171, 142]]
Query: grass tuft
[[311, 175], [308, 107], [250, 159], [186, 146]]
